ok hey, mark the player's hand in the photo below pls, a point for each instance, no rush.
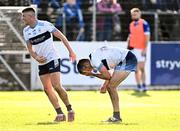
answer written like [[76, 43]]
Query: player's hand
[[87, 73], [41, 59], [103, 89], [72, 56]]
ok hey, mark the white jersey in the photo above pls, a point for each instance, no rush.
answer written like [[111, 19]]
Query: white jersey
[[41, 39], [108, 56]]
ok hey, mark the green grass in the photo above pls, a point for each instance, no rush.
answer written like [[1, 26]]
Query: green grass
[[31, 111]]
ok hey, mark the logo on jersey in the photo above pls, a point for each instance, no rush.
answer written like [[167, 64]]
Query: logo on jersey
[[40, 38]]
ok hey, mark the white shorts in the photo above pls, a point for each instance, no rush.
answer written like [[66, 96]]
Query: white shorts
[[138, 54]]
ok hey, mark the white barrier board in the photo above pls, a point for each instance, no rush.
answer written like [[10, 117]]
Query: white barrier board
[[70, 76]]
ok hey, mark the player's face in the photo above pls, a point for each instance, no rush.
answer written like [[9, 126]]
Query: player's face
[[26, 17], [135, 15], [87, 69]]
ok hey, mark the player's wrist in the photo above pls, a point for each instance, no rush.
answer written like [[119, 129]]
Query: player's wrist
[[36, 57]]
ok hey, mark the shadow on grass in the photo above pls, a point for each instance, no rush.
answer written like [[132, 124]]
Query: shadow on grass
[[84, 123], [47, 123], [43, 123], [108, 123], [122, 123], [140, 94], [127, 124]]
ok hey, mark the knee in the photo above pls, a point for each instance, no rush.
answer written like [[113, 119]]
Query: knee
[[111, 90], [137, 69], [142, 69], [112, 85], [56, 86], [47, 89]]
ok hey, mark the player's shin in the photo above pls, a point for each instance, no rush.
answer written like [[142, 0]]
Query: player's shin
[[115, 102]]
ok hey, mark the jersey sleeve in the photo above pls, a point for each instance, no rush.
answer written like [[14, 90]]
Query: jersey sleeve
[[50, 27], [96, 61], [146, 28]]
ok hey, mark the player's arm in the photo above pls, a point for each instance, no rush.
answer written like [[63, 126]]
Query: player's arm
[[104, 74], [146, 32], [60, 36], [128, 41], [104, 86], [147, 39], [147, 36], [106, 82], [38, 58]]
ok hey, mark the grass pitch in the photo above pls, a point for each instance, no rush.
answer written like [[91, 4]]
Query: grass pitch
[[31, 111]]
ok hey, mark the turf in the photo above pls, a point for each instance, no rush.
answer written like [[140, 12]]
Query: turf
[[31, 111]]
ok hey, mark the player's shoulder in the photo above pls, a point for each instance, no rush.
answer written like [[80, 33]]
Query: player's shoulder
[[144, 22], [45, 23], [26, 29], [42, 22]]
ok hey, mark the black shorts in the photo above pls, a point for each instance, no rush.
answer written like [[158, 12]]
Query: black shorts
[[52, 66]]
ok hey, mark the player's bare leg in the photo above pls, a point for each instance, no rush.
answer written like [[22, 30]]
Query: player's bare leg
[[50, 92], [143, 76], [138, 75], [55, 79], [117, 78]]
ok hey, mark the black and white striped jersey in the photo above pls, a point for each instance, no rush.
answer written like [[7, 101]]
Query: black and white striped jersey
[[41, 39]]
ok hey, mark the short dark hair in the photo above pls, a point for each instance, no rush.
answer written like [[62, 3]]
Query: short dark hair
[[81, 63], [135, 10], [28, 9]]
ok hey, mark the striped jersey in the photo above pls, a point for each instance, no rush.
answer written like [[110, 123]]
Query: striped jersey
[[42, 40]]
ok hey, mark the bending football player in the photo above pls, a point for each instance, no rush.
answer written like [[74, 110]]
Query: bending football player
[[106, 58]]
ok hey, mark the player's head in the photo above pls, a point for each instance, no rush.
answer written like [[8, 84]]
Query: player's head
[[28, 15], [135, 13], [84, 66], [71, 2]]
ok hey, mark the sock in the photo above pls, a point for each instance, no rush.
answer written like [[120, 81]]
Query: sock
[[59, 111], [138, 86], [116, 115], [69, 108], [144, 85]]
